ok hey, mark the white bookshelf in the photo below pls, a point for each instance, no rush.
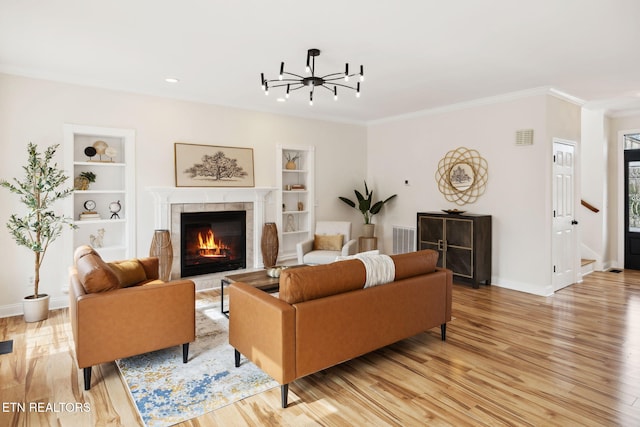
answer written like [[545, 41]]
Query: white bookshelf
[[115, 182], [295, 207]]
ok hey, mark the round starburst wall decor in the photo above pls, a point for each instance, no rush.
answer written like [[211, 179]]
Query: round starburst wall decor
[[462, 175]]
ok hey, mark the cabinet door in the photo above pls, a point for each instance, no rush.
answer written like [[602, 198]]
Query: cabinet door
[[432, 236], [459, 238]]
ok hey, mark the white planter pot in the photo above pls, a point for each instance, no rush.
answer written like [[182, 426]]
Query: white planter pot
[[35, 309]]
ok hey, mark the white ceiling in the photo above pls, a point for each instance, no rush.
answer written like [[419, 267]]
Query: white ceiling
[[417, 54]]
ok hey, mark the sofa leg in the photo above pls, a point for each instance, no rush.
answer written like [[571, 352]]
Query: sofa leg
[[87, 378], [284, 394], [185, 352], [237, 356], [443, 331]]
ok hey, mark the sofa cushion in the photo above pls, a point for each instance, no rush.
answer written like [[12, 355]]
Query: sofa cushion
[[94, 274], [129, 272], [415, 263], [328, 242], [318, 281]]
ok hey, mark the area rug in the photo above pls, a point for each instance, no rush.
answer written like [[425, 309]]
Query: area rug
[[167, 391]]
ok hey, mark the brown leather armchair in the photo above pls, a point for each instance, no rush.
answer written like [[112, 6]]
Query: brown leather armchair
[[121, 309]]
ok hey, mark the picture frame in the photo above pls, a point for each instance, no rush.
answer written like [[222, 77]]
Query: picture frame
[[198, 165]]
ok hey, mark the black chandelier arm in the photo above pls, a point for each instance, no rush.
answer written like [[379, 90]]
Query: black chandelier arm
[[282, 81], [293, 74], [343, 85], [287, 84], [340, 76]]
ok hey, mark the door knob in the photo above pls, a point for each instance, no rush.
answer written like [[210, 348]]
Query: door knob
[[574, 222]]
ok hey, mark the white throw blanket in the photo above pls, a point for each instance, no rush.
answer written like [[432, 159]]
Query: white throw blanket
[[380, 269]]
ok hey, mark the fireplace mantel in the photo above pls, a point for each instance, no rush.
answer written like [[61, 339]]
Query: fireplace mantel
[[164, 197]]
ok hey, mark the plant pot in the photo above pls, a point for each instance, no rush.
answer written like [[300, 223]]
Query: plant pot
[[291, 165], [81, 183], [368, 230], [35, 309]]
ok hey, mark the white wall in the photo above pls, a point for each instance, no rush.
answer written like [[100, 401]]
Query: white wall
[[35, 110], [594, 181], [518, 191]]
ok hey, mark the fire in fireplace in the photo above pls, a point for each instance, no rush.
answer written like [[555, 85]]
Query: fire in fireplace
[[212, 242]]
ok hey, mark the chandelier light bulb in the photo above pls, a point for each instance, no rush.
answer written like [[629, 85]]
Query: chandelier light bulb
[[287, 94], [361, 73], [335, 93], [346, 72], [358, 90], [310, 98]]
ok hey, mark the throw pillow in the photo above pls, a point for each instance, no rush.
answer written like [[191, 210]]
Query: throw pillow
[[129, 272], [328, 242]]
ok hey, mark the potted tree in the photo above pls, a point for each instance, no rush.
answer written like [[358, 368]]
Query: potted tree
[[40, 226], [367, 207]]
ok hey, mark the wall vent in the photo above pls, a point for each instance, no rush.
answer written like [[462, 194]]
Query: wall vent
[[404, 239], [524, 137]]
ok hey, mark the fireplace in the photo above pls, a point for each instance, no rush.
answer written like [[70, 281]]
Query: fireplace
[[212, 241]]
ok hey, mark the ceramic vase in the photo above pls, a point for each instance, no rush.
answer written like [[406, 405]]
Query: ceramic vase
[[161, 247], [269, 244]]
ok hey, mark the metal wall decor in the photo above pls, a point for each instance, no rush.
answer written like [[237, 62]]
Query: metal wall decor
[[462, 175]]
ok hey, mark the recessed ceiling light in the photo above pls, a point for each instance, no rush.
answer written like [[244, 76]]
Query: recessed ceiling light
[[171, 80]]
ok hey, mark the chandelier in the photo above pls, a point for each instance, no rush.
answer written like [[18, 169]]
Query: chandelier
[[331, 82]]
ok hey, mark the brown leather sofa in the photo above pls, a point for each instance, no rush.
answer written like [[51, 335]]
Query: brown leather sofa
[[323, 315], [121, 309]]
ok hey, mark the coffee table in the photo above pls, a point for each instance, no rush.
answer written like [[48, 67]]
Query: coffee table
[[258, 279]]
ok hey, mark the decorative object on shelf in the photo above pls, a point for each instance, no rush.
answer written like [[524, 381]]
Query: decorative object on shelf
[[114, 208], [300, 206], [292, 81], [367, 207], [269, 244], [110, 152], [297, 187], [97, 240], [162, 248], [90, 152], [90, 212], [213, 166], [39, 190], [291, 161], [462, 175], [83, 180], [100, 147], [291, 226], [453, 211]]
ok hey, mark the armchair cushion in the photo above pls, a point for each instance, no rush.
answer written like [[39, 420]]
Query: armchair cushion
[[129, 272], [328, 242], [94, 274]]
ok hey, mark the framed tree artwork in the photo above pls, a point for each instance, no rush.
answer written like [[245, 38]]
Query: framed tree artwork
[[213, 166]]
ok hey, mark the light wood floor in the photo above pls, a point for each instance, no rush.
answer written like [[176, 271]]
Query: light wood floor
[[510, 359]]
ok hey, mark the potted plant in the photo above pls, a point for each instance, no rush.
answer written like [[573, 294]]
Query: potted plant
[[40, 226], [367, 207], [83, 180]]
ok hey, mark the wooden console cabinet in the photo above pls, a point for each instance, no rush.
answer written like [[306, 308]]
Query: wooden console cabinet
[[462, 241]]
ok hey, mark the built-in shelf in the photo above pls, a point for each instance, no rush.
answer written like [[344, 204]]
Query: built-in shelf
[[114, 183], [295, 209]]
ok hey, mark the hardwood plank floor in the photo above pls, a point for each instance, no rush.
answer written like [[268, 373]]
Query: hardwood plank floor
[[510, 359]]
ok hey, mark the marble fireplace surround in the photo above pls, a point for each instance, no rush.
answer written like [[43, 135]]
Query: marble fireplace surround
[[169, 202]]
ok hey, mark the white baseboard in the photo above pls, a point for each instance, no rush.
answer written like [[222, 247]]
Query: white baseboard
[[16, 309]]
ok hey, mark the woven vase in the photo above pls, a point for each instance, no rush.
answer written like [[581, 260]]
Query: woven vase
[[269, 244], [161, 247]]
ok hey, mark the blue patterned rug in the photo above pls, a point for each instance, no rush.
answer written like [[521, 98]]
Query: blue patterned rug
[[167, 391]]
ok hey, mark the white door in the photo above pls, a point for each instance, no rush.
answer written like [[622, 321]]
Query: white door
[[564, 240]]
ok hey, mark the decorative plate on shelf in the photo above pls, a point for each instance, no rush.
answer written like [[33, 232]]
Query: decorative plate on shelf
[[453, 211]]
